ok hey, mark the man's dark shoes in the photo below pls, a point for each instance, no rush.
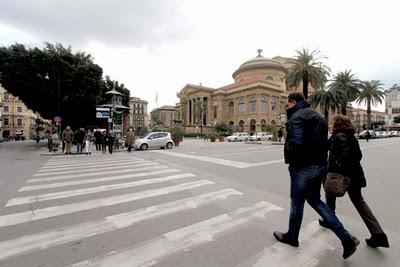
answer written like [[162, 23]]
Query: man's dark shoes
[[378, 240], [350, 246], [323, 223], [281, 237]]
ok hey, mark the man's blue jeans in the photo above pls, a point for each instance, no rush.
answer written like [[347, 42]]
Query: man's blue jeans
[[306, 185]]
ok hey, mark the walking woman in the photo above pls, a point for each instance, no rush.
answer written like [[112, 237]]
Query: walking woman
[[88, 142], [344, 158]]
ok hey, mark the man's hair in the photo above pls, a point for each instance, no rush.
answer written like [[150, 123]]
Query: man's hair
[[342, 123], [296, 96]]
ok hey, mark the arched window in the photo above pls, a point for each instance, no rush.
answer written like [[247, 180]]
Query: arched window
[[241, 105], [231, 124], [253, 104], [263, 104], [241, 125], [231, 108], [269, 78], [274, 102], [263, 125]]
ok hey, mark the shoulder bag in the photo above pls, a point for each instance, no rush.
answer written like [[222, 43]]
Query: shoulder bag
[[336, 184]]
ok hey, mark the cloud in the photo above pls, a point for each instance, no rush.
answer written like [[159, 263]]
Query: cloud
[[117, 22]]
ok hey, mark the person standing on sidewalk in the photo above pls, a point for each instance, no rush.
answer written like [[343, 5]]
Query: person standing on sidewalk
[[68, 138], [306, 151], [88, 142], [79, 136], [96, 135], [110, 141], [130, 139], [344, 158]]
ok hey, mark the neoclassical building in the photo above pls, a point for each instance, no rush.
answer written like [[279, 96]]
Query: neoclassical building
[[255, 99]]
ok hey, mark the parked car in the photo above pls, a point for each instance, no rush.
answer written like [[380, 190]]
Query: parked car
[[238, 137], [261, 136], [361, 135], [154, 140]]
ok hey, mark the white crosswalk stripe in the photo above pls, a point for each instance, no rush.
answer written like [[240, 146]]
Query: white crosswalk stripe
[[111, 176], [43, 240], [97, 180], [176, 241]]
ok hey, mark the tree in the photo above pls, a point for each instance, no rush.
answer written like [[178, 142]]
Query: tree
[[327, 100], [200, 113], [370, 94], [348, 84], [155, 117], [307, 68]]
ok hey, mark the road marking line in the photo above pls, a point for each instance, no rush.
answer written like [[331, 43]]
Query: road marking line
[[135, 168], [97, 180], [315, 241], [40, 214], [230, 163], [88, 163], [92, 190], [128, 163], [179, 240], [46, 239], [85, 160], [99, 168]]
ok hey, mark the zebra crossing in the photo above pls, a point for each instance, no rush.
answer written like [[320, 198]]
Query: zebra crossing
[[57, 188]]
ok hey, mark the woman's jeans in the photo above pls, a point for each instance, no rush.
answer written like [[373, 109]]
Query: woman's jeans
[[306, 185], [359, 203]]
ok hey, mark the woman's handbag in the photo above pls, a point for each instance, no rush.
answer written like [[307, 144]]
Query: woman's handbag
[[336, 184]]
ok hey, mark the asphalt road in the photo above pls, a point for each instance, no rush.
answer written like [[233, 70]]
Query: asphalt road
[[200, 204]]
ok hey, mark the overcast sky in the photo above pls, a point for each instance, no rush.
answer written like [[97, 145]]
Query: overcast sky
[[162, 45]]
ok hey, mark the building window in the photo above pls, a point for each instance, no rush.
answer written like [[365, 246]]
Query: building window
[[231, 108], [19, 109], [6, 121], [215, 111], [273, 104], [269, 78], [253, 104], [263, 104], [6, 109], [19, 122], [241, 106]]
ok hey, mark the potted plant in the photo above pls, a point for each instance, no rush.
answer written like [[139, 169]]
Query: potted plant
[[212, 136], [177, 133], [222, 129], [272, 129]]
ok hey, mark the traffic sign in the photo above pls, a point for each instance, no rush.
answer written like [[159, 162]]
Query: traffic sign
[[57, 119]]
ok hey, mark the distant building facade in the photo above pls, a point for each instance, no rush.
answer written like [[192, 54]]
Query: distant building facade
[[256, 99], [17, 119], [138, 116], [392, 105], [360, 118], [167, 115]]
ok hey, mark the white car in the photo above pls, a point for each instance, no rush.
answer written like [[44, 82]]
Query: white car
[[261, 136], [238, 137], [154, 140]]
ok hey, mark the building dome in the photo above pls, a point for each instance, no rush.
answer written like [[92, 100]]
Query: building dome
[[259, 66]]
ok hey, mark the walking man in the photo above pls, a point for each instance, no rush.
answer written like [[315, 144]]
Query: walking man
[[130, 139], [305, 150], [79, 137], [68, 138]]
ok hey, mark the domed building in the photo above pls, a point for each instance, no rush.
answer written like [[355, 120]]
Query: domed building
[[256, 99]]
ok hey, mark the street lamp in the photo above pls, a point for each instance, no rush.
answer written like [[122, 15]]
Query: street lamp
[[46, 77]]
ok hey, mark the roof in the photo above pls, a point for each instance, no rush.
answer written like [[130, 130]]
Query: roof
[[247, 81], [260, 62], [166, 107], [113, 92]]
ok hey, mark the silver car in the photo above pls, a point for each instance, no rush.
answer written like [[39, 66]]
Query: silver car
[[154, 140]]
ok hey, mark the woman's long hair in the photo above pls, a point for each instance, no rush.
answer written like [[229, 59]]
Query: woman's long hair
[[342, 123]]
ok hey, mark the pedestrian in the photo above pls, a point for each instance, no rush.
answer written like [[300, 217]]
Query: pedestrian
[[68, 138], [79, 136], [344, 158], [102, 142], [88, 142], [367, 135], [305, 150], [49, 141], [96, 135], [280, 134], [130, 139], [110, 141]]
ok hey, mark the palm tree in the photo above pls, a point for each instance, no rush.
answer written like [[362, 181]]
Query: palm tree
[[327, 100], [370, 94], [348, 84], [307, 68]]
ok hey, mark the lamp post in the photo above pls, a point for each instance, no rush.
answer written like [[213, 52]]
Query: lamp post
[[58, 123]]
